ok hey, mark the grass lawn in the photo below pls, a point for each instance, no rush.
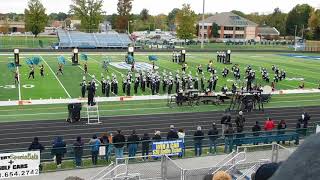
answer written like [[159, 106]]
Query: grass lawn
[[10, 42]]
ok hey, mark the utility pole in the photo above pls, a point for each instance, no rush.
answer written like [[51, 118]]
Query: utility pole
[[295, 38], [202, 29]]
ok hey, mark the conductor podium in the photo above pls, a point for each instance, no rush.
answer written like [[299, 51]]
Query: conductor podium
[[93, 114], [74, 112]]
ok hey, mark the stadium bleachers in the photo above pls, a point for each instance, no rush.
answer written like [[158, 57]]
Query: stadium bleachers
[[69, 39]]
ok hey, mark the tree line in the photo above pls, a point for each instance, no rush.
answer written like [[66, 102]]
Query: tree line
[[303, 19]]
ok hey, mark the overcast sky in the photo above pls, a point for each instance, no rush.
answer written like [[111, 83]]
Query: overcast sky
[[165, 6]]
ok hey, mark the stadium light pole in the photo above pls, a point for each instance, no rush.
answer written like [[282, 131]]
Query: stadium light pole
[[295, 37], [129, 26], [202, 29]]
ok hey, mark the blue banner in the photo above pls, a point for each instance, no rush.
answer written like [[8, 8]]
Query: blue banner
[[167, 148]]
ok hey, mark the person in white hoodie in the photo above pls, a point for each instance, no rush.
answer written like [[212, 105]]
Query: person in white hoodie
[[181, 135]]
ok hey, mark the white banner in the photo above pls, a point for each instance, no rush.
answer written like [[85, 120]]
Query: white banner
[[19, 164]]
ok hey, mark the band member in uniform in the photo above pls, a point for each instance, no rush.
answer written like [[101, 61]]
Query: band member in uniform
[[31, 73], [184, 67], [42, 70], [128, 88], [143, 83], [136, 85], [85, 68], [202, 80], [224, 89], [83, 88], [215, 81], [200, 70], [124, 84], [132, 67], [196, 82], [103, 85], [115, 87], [301, 86], [60, 69], [108, 87], [170, 85]]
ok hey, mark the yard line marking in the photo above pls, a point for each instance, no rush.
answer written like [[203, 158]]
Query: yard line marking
[[19, 87], [56, 77]]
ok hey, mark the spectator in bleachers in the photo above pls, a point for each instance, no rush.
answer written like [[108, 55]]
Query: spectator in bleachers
[[59, 150], [281, 128], [181, 135], [104, 139], [36, 146], [221, 175], [172, 134], [256, 129], [78, 151], [225, 120], [240, 120], [213, 136], [269, 125], [157, 136], [265, 171], [133, 141], [145, 145], [228, 136], [198, 137], [95, 145], [118, 141]]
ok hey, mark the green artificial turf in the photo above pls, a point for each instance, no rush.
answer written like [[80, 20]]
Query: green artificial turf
[[50, 87], [61, 86], [10, 42]]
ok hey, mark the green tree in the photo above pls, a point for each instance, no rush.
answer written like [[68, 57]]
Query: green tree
[[68, 22], [35, 17], [215, 29], [299, 17], [172, 18], [314, 25], [144, 15], [124, 8], [186, 20], [239, 13], [278, 20], [89, 12]]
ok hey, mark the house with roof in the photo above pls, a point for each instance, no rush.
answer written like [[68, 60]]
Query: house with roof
[[228, 26]]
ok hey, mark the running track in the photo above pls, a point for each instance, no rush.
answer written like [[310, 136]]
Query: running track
[[18, 135]]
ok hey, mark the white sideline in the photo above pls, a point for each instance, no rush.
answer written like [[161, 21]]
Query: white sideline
[[128, 98]]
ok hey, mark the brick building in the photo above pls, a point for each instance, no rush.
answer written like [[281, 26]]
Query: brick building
[[230, 26]]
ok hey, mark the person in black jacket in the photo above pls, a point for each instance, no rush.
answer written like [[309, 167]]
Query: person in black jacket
[[145, 141], [256, 130], [133, 141], [225, 120], [36, 146], [198, 137], [59, 150], [119, 141], [228, 137], [172, 134], [281, 129], [78, 151], [157, 137], [213, 136]]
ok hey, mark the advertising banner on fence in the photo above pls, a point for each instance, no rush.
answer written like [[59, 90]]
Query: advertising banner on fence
[[19, 164], [167, 148]]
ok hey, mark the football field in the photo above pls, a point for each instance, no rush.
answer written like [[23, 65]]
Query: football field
[[68, 85]]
